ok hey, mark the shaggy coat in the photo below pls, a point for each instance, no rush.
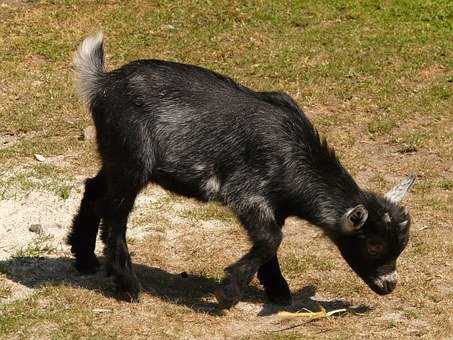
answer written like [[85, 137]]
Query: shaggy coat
[[200, 134]]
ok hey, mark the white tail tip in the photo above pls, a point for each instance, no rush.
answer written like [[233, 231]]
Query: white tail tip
[[89, 66]]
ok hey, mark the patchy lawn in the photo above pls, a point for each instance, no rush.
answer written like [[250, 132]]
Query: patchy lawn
[[375, 77]]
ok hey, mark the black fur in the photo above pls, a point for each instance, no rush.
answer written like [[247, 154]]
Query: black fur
[[200, 134]]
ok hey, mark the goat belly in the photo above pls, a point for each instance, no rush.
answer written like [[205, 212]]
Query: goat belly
[[189, 187]]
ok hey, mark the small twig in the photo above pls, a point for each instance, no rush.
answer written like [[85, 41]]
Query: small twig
[[101, 310], [423, 228], [311, 315], [325, 331], [294, 326]]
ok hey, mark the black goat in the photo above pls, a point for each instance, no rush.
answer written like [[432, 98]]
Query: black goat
[[200, 134]]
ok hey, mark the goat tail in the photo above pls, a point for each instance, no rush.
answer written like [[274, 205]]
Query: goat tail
[[89, 67]]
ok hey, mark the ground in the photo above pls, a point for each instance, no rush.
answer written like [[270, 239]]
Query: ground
[[375, 78]]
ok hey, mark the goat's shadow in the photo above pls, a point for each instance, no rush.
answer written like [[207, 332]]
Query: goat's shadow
[[193, 291]]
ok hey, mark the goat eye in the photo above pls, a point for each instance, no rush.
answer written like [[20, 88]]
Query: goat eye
[[375, 247]]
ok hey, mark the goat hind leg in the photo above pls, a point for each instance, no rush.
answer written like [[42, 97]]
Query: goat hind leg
[[82, 237], [118, 260]]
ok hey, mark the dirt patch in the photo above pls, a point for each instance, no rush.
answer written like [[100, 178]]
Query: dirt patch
[[28, 216], [7, 140], [10, 139], [34, 225], [18, 215], [431, 72], [14, 3], [15, 291]]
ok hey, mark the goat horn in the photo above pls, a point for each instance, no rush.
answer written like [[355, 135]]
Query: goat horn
[[403, 224]]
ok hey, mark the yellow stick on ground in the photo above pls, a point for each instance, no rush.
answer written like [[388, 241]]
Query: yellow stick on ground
[[309, 314]]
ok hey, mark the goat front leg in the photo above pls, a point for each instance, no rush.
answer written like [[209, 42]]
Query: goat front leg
[[275, 285], [265, 235]]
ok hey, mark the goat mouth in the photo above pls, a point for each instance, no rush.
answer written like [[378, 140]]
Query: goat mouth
[[383, 284]]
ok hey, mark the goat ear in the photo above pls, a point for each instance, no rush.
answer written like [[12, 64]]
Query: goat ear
[[398, 192], [354, 218]]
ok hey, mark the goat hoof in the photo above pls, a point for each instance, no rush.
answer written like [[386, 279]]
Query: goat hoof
[[280, 298], [279, 295], [228, 295], [128, 296], [128, 288], [87, 265]]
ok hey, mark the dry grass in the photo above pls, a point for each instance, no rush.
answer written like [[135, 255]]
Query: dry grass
[[375, 79]]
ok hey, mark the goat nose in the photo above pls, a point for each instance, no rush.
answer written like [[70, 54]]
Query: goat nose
[[390, 285]]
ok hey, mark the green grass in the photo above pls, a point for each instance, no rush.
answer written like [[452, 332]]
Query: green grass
[[381, 126], [39, 246], [446, 184], [374, 76], [210, 211], [5, 291], [37, 177], [297, 263], [361, 57], [50, 319]]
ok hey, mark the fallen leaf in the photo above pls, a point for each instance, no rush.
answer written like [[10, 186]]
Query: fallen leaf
[[40, 158]]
